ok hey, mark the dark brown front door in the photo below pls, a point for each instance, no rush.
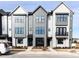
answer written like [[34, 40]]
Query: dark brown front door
[[39, 41], [30, 41]]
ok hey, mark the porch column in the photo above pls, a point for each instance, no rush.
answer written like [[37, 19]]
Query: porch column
[[45, 42], [13, 41], [34, 41], [25, 43]]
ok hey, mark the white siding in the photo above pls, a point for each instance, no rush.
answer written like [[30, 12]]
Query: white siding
[[9, 26], [4, 24], [61, 9], [50, 30], [20, 10]]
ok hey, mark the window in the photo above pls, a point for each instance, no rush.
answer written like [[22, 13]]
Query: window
[[20, 41], [61, 30], [40, 18], [62, 17], [60, 41], [40, 30], [37, 18], [16, 30], [19, 30], [19, 19]]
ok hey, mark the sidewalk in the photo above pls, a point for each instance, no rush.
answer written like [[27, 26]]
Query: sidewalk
[[30, 51], [49, 51]]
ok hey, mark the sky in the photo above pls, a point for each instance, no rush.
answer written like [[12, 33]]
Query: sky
[[9, 6]]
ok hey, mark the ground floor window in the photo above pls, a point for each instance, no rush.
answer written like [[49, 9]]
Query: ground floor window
[[60, 41], [20, 41]]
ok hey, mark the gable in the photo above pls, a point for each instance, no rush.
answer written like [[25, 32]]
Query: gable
[[62, 8], [39, 10], [19, 10]]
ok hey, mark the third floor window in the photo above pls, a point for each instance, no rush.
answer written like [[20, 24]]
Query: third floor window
[[19, 19], [61, 17], [40, 19]]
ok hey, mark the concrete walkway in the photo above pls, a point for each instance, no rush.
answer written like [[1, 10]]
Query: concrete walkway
[[30, 51], [29, 48], [50, 51]]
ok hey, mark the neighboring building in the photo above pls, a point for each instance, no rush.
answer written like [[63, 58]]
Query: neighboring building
[[41, 28], [75, 40], [60, 26], [3, 25], [19, 27]]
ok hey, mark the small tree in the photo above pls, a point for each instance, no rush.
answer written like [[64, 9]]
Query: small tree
[[75, 41]]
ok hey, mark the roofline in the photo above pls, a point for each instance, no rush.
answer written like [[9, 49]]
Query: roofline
[[50, 13], [2, 12], [65, 6], [14, 10], [30, 13], [38, 8]]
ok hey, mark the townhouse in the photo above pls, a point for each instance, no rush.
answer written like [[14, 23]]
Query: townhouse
[[3, 25], [40, 28]]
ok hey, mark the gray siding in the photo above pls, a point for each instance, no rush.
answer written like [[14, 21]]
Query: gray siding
[[39, 12], [30, 24]]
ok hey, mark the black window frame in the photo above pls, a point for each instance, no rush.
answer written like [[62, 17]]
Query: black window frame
[[61, 17], [59, 29]]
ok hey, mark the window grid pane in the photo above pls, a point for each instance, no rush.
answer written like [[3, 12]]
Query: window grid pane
[[19, 30], [19, 19], [62, 18], [40, 30], [40, 19]]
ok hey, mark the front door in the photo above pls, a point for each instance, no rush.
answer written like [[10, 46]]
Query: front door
[[30, 41], [39, 41]]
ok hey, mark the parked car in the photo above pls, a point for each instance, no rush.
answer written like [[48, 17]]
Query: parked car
[[4, 48]]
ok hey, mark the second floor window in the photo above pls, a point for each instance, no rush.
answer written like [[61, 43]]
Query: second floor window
[[40, 30], [40, 18], [19, 19], [61, 30], [19, 30], [61, 17]]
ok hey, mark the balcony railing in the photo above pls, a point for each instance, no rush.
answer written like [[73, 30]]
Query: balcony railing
[[63, 34]]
